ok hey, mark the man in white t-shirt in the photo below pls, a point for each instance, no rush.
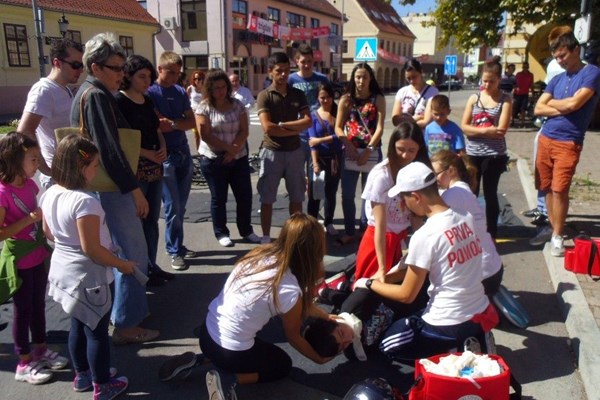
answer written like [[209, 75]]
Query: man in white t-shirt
[[241, 93], [49, 101], [447, 248]]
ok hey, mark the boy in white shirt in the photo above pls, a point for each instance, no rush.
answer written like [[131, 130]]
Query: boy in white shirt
[[448, 249]]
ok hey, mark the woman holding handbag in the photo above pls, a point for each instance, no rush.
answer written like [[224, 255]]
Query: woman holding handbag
[[95, 106], [484, 123], [359, 125], [326, 152]]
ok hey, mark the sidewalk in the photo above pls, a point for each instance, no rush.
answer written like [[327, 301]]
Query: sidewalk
[[578, 295]]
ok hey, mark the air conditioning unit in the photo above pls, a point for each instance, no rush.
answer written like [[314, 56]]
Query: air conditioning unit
[[170, 23]]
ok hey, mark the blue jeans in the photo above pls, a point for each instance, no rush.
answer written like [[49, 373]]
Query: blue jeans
[[153, 192], [177, 183], [220, 177], [90, 349], [130, 305]]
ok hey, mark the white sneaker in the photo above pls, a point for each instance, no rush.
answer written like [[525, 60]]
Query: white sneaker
[[225, 241], [543, 236], [51, 359], [557, 246], [330, 229], [252, 238], [265, 240], [33, 373]]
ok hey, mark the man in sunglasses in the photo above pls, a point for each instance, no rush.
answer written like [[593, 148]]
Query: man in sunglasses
[[49, 101]]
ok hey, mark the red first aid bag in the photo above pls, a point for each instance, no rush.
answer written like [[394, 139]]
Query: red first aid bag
[[584, 258], [430, 386]]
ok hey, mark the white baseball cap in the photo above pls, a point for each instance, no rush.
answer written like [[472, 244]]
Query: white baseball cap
[[415, 176]]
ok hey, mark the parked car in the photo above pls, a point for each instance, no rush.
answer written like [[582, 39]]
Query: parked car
[[453, 85], [339, 88]]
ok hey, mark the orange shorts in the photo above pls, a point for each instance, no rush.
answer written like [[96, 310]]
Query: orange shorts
[[555, 164]]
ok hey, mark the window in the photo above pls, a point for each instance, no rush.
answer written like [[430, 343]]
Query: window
[[143, 3], [126, 43], [344, 46], [273, 14], [193, 17], [382, 44], [74, 36], [17, 48], [191, 63], [314, 43], [296, 20], [240, 7]]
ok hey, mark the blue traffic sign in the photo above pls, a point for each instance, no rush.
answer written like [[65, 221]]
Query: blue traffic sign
[[450, 64], [365, 49]]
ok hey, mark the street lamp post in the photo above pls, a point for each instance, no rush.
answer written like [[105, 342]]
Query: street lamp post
[[342, 22], [63, 25]]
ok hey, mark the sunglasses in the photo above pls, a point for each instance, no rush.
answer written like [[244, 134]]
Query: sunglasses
[[198, 79], [114, 68], [73, 64]]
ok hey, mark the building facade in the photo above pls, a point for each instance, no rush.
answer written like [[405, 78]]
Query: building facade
[[239, 35], [376, 19], [24, 46]]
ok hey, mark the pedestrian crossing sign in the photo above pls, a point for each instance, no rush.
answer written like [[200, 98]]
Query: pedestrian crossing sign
[[366, 49]]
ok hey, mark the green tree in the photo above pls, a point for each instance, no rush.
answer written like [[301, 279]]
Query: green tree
[[473, 23]]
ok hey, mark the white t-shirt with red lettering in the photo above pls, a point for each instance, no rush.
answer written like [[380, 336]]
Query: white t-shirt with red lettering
[[459, 196], [447, 246]]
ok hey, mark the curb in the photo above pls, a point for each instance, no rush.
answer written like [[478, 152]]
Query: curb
[[579, 320]]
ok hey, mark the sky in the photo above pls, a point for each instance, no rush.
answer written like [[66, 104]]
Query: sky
[[420, 6]]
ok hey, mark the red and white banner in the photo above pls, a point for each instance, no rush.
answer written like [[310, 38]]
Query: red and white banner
[[386, 55], [268, 28]]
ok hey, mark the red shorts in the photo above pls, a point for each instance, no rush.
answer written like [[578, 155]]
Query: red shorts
[[555, 164]]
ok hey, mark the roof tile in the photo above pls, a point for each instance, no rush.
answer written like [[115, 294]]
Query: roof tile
[[124, 10]]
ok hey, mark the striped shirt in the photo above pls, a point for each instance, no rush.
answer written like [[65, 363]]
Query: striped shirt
[[480, 146], [224, 125]]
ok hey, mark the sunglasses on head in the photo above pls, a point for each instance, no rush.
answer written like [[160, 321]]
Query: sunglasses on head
[[73, 64]]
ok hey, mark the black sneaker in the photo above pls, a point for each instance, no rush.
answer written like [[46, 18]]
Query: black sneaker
[[540, 220], [531, 213], [180, 365], [178, 263], [161, 273]]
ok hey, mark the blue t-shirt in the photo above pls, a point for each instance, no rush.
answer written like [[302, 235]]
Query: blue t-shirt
[[321, 128], [171, 103], [572, 126], [446, 137], [310, 87]]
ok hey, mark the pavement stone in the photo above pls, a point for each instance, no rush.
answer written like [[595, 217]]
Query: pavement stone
[[577, 294]]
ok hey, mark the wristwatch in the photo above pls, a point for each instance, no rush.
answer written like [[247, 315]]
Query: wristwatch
[[372, 148], [368, 283], [174, 125], [280, 124]]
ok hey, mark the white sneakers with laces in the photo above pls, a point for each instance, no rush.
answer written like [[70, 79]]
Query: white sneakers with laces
[[557, 246]]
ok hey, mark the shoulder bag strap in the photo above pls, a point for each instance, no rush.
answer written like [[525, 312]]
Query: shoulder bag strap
[[82, 130], [422, 94]]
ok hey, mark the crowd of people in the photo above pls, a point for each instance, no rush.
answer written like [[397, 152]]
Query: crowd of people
[[430, 292]]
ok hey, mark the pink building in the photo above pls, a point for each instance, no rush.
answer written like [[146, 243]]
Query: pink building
[[239, 35]]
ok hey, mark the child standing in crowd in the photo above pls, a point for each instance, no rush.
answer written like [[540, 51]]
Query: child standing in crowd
[[80, 271], [25, 245], [441, 133]]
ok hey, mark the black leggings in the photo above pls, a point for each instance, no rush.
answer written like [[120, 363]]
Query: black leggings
[[269, 361], [489, 169]]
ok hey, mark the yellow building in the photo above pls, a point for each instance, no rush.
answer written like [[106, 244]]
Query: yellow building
[[20, 65]]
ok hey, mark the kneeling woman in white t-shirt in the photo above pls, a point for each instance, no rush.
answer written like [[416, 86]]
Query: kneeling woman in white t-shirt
[[457, 176], [276, 279]]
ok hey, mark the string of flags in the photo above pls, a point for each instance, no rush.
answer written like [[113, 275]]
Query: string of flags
[[269, 28]]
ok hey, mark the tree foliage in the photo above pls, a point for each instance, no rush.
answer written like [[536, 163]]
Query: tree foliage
[[474, 23]]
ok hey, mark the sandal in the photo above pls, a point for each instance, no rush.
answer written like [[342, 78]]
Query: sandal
[[146, 336]]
